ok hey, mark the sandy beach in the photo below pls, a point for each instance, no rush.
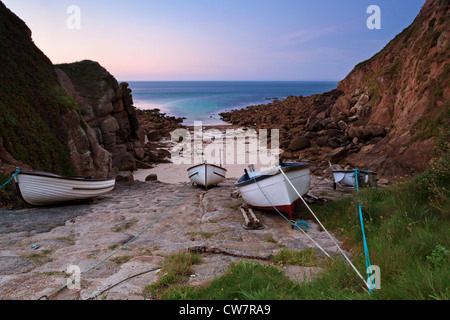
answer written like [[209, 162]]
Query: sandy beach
[[218, 152], [177, 173]]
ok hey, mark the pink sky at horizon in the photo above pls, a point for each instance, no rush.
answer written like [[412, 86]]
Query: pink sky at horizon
[[203, 40]]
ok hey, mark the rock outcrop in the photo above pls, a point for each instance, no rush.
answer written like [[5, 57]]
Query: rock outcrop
[[34, 108], [403, 90], [156, 127], [107, 110], [70, 119]]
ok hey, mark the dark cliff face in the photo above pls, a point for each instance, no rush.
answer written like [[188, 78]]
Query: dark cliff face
[[32, 104], [41, 125], [71, 119]]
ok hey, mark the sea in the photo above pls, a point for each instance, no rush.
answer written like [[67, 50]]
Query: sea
[[204, 100]]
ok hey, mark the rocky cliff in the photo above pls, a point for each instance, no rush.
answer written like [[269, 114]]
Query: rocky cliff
[[407, 89], [33, 107], [107, 109], [71, 119], [386, 115]]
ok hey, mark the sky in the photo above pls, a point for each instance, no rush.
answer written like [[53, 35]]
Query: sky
[[215, 40]]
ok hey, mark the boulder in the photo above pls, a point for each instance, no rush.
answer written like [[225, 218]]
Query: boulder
[[153, 135], [140, 153], [354, 132], [336, 155], [125, 178], [123, 160], [343, 104], [299, 143], [364, 111], [353, 118], [325, 141], [363, 99], [383, 112], [321, 115], [332, 125], [104, 109], [153, 155], [109, 124], [334, 133], [151, 177], [314, 124], [375, 131], [285, 144], [342, 125], [287, 155]]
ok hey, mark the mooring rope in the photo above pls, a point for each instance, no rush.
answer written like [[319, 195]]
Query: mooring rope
[[323, 227], [293, 224], [11, 179], [366, 248], [128, 243]]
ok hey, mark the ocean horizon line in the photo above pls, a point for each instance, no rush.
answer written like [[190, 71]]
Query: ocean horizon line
[[309, 81], [205, 100]]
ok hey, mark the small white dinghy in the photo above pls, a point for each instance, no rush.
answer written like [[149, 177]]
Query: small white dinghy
[[207, 175], [269, 189], [348, 178], [43, 188]]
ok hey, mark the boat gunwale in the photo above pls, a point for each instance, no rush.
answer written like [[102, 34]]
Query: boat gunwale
[[353, 171], [55, 176], [206, 164], [294, 166]]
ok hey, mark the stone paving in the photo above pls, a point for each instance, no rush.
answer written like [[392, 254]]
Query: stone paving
[[85, 234]]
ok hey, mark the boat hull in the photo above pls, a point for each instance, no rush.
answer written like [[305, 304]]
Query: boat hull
[[42, 189], [344, 177], [207, 175], [274, 191], [347, 177]]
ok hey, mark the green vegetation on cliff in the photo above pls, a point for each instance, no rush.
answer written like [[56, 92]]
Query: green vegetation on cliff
[[421, 52], [32, 104], [87, 77]]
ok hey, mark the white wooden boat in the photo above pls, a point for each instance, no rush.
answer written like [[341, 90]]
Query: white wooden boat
[[42, 188], [269, 189], [348, 178], [207, 175]]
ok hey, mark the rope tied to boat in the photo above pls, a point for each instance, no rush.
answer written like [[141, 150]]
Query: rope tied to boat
[[11, 179], [323, 227], [128, 243], [290, 222], [366, 248], [302, 225]]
